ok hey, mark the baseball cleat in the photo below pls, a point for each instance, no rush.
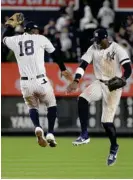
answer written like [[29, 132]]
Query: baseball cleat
[[40, 137], [51, 140], [112, 156], [81, 140]]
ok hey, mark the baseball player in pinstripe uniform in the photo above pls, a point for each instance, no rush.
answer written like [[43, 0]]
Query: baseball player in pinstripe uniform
[[108, 57], [35, 86]]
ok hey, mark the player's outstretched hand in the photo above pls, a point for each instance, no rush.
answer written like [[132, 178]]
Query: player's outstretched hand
[[72, 87], [15, 20], [67, 75]]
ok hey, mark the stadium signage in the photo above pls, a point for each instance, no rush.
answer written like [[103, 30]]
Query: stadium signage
[[34, 4], [22, 120], [123, 5], [17, 119]]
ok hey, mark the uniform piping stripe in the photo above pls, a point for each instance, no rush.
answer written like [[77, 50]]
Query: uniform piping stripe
[[124, 60]]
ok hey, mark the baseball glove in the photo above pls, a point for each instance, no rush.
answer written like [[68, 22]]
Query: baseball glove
[[15, 20], [116, 83]]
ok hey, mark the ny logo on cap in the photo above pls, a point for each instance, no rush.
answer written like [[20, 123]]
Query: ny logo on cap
[[35, 26], [96, 34]]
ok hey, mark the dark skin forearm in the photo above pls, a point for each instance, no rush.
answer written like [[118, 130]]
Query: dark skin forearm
[[127, 70], [8, 31], [57, 57]]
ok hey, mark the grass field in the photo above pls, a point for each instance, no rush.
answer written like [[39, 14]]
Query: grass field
[[23, 158]]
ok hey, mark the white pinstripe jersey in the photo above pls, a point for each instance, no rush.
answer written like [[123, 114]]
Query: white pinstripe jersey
[[29, 52], [106, 62]]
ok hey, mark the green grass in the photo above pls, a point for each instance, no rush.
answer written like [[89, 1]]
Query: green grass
[[23, 158]]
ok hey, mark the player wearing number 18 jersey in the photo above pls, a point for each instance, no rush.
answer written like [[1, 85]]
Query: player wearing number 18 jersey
[[35, 86]]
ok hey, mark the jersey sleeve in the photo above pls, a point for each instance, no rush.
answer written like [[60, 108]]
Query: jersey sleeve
[[88, 56], [47, 45], [8, 41], [122, 55]]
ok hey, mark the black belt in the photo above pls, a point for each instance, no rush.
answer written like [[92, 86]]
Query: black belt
[[103, 81], [38, 76]]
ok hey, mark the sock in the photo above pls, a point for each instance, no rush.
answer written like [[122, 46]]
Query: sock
[[52, 114], [111, 132], [83, 115], [34, 115]]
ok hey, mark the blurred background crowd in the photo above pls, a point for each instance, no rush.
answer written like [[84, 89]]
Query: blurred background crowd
[[72, 29]]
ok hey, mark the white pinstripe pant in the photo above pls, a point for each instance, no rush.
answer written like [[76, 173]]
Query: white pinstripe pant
[[35, 92], [110, 100]]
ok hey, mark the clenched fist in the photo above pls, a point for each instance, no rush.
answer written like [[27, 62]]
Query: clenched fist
[[67, 75]]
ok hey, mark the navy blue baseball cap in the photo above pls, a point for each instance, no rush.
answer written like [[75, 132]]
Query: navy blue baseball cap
[[30, 25], [99, 34]]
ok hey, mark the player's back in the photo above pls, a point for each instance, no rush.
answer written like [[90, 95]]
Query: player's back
[[29, 52]]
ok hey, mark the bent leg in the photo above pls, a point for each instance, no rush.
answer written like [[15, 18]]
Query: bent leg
[[90, 94]]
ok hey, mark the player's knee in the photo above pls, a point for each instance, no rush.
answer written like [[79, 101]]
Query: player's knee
[[83, 96], [32, 106], [51, 103], [31, 103], [82, 102], [106, 124], [107, 120]]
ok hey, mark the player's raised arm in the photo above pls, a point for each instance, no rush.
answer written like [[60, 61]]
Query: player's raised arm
[[10, 24], [85, 60], [57, 57], [8, 31]]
